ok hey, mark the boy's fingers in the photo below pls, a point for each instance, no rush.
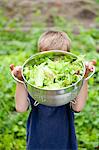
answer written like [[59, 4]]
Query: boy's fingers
[[87, 64], [88, 70], [18, 74], [93, 62], [89, 67], [12, 67], [92, 69], [17, 71], [18, 68], [14, 72]]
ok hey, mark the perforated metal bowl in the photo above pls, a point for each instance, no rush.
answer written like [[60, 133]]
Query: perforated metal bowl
[[52, 97]]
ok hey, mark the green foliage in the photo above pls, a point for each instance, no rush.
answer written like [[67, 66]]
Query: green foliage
[[16, 47], [52, 73], [97, 1]]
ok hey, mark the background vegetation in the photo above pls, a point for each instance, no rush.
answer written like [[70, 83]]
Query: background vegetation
[[16, 45]]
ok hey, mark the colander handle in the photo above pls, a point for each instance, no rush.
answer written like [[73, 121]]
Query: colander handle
[[90, 74], [36, 103], [16, 79], [74, 101]]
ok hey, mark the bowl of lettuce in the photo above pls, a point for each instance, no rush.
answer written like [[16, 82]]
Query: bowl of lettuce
[[53, 78]]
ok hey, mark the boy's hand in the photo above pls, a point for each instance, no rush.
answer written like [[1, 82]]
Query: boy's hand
[[17, 71], [89, 67]]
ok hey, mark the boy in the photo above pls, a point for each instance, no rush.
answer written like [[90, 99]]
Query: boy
[[50, 128]]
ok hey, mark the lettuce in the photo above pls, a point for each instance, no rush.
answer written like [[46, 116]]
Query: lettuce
[[54, 73]]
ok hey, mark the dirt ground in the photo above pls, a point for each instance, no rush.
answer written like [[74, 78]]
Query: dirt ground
[[29, 11]]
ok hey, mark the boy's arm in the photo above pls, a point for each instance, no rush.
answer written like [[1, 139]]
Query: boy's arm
[[21, 95], [21, 92], [81, 98]]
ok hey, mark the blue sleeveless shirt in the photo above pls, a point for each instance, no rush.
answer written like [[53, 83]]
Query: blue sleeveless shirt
[[51, 128]]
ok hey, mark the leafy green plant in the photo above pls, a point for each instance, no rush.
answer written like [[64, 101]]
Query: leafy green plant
[[16, 47], [54, 73]]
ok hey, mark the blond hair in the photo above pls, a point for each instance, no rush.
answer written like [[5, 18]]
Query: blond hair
[[54, 40]]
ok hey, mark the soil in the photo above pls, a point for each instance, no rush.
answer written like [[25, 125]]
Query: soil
[[30, 11]]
